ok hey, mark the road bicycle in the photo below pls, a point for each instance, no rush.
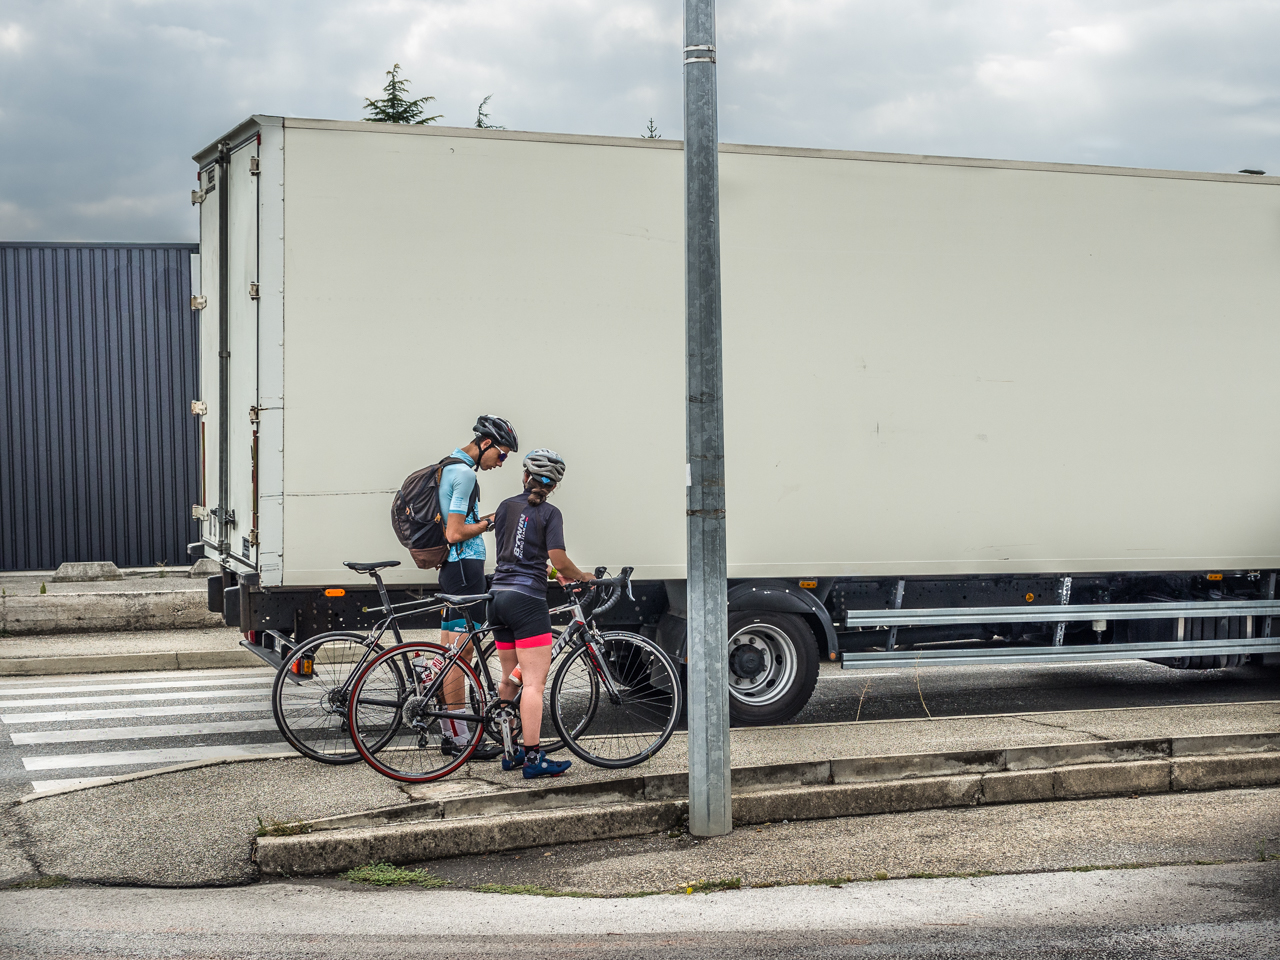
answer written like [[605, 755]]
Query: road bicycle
[[614, 699], [312, 686]]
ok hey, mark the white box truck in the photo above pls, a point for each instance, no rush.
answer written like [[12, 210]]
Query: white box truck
[[1022, 405]]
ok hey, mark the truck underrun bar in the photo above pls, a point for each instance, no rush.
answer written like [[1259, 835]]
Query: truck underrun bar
[[1055, 614], [1105, 651]]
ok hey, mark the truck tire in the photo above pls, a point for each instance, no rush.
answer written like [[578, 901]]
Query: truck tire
[[773, 667]]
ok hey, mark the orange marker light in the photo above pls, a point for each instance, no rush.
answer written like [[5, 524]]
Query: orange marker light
[[1213, 576], [1030, 597], [335, 592], [809, 584]]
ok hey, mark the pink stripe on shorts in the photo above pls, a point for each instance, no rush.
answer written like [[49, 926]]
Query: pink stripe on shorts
[[541, 640]]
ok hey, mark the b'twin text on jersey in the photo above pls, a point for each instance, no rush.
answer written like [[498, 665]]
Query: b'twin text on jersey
[[520, 528]]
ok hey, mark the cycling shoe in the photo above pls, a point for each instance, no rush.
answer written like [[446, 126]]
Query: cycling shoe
[[486, 751], [537, 765], [516, 761]]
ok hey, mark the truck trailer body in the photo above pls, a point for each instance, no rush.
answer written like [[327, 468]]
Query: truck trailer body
[[956, 391]]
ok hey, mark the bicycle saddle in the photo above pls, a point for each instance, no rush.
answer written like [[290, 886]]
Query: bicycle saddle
[[463, 600], [369, 567]]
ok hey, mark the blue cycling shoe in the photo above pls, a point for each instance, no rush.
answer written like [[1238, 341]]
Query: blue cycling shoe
[[515, 762], [537, 765]]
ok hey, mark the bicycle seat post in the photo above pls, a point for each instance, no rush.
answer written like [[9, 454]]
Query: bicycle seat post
[[382, 590]]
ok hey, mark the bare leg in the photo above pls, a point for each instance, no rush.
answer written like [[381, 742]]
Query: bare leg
[[535, 663], [455, 689], [506, 689]]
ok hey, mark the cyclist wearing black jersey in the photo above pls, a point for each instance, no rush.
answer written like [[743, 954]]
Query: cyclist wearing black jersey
[[530, 534]]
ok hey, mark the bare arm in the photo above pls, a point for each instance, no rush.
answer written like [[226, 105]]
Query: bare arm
[[456, 528], [566, 567]]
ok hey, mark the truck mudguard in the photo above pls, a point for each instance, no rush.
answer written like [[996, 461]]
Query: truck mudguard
[[784, 597]]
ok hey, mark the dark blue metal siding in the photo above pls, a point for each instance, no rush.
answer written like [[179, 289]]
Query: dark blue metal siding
[[99, 362]]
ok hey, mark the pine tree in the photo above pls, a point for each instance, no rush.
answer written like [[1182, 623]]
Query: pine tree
[[652, 133], [395, 107], [482, 117]]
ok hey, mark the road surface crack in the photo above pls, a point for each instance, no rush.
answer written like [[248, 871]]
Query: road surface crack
[[1062, 726]]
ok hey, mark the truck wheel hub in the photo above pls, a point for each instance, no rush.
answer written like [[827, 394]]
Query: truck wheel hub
[[746, 661], [762, 664]]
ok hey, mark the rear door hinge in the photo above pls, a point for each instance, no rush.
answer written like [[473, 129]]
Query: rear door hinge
[[252, 538], [254, 414], [199, 408], [253, 291], [255, 167], [199, 512], [197, 196], [199, 303]]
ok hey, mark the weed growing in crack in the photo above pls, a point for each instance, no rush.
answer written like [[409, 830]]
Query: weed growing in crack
[[278, 829], [387, 875], [709, 886]]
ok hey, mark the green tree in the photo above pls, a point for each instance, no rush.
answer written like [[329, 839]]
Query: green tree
[[395, 107], [482, 117], [652, 132]]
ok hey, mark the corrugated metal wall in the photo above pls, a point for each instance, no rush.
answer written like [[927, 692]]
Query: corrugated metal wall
[[99, 452]]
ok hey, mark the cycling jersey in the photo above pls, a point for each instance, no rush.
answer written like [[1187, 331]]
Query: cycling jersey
[[525, 535], [457, 480]]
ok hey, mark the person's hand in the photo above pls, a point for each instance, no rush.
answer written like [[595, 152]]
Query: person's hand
[[562, 579]]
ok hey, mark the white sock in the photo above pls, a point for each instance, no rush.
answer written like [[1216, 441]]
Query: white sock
[[457, 729]]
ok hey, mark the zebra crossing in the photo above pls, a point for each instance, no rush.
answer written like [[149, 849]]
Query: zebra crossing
[[66, 731]]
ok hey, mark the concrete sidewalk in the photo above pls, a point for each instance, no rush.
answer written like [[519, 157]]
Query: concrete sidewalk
[[134, 831]]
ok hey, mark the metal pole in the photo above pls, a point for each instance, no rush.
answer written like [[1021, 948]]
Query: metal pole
[[710, 806]]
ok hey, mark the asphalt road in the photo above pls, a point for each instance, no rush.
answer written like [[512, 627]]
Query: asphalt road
[[58, 730], [1205, 912]]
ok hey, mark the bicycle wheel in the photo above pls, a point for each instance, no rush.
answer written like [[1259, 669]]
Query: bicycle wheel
[[629, 723], [419, 740], [550, 740], [309, 696]]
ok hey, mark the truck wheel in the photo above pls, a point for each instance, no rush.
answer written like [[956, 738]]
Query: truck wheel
[[773, 667]]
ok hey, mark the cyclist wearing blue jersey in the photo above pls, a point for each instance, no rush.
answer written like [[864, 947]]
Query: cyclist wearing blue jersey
[[530, 535], [463, 570]]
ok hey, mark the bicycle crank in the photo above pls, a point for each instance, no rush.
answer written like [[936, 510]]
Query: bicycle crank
[[502, 724]]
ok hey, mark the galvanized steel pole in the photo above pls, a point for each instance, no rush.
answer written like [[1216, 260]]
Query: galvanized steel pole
[[710, 806]]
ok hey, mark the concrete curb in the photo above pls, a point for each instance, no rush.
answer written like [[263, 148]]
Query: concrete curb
[[104, 612], [852, 787], [128, 662]]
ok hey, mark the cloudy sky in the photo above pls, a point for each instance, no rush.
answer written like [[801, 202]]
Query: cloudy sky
[[102, 102]]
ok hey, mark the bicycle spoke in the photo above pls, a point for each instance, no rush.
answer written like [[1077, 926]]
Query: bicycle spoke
[[418, 739], [311, 709], [624, 725]]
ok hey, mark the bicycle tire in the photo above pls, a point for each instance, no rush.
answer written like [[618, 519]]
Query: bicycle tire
[[382, 711], [627, 729], [550, 737], [310, 710]]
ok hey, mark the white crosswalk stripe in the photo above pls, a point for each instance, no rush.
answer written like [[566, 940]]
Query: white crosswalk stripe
[[95, 727]]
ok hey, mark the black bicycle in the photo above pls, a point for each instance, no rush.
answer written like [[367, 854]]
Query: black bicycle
[[417, 711], [312, 688]]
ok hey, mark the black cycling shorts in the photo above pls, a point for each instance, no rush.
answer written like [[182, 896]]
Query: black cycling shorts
[[464, 576], [525, 620]]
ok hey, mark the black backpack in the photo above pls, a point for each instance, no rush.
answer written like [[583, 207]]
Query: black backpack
[[417, 518]]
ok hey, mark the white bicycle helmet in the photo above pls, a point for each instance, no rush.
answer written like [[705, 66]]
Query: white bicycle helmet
[[545, 464]]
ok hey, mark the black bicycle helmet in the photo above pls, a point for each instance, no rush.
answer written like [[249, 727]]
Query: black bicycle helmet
[[498, 430], [545, 464]]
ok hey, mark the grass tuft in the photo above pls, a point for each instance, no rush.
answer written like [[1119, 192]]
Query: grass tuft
[[531, 890], [278, 829], [38, 883], [710, 886], [387, 875]]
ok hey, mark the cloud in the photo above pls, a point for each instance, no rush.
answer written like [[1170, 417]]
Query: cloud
[[12, 38], [102, 103]]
